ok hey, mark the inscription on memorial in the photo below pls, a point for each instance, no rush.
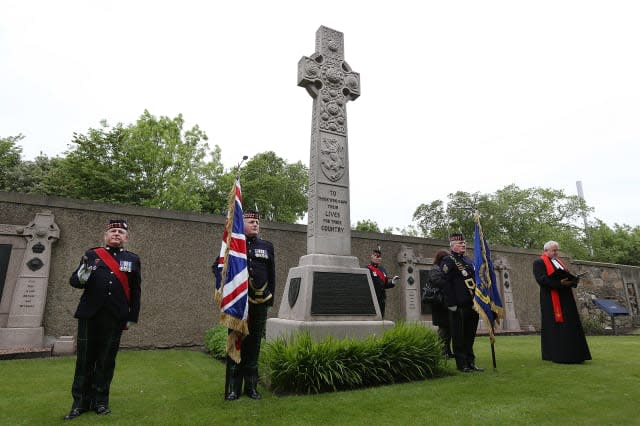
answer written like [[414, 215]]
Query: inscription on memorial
[[333, 209], [28, 295], [336, 293], [412, 298]]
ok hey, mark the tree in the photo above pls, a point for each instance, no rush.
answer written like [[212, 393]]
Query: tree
[[278, 189], [153, 163], [620, 244], [511, 216], [31, 177], [409, 231], [94, 167], [10, 157], [367, 225]]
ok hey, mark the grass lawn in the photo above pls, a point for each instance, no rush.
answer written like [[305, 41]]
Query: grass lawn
[[186, 387]]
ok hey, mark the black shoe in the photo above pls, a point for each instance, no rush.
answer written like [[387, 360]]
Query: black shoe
[[252, 393], [466, 370], [250, 385], [102, 410], [75, 412], [474, 367], [231, 396]]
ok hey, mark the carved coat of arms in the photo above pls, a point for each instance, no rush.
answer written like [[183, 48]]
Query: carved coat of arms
[[332, 152]]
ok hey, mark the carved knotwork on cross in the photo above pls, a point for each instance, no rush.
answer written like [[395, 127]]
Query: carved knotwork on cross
[[329, 80]]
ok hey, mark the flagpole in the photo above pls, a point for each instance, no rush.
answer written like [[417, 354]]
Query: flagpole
[[493, 349]]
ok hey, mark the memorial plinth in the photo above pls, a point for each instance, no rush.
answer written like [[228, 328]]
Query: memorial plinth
[[25, 280], [328, 293]]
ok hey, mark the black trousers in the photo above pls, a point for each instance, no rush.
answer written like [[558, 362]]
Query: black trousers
[[250, 348], [97, 347], [444, 332], [464, 323], [381, 295]]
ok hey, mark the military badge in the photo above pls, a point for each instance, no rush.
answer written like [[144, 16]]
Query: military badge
[[445, 268]]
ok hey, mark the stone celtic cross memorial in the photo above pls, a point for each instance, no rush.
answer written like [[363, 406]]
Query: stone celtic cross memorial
[[331, 83], [328, 293]]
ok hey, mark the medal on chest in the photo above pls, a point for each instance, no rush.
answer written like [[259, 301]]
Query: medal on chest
[[125, 266], [261, 253]]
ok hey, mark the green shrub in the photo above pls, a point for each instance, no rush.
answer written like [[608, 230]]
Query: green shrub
[[300, 365], [594, 325], [215, 341]]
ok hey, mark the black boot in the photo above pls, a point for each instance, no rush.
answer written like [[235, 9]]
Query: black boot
[[75, 412], [233, 381], [250, 385]]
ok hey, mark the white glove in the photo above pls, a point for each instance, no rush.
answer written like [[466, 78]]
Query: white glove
[[452, 308], [394, 279], [84, 272]]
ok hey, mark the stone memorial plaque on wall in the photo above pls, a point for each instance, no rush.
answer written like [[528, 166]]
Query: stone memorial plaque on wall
[[25, 287], [336, 293]]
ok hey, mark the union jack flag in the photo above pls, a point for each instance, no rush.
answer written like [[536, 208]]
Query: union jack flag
[[232, 290]]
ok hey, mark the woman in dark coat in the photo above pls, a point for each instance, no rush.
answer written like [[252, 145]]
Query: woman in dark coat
[[562, 338], [440, 314]]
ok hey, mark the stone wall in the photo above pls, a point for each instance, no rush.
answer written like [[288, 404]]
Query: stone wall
[[177, 250], [607, 281]]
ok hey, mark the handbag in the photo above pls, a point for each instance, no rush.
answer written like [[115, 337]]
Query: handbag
[[432, 295]]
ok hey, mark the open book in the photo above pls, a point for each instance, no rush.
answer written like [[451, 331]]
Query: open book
[[561, 274]]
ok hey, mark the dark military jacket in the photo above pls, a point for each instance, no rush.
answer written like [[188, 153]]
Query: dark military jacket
[[104, 289], [262, 265], [379, 283], [459, 275]]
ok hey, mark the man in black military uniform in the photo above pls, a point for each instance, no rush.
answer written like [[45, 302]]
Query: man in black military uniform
[[110, 278], [459, 289], [381, 282], [262, 286]]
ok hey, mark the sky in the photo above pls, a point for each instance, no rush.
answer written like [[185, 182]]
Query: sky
[[455, 96]]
